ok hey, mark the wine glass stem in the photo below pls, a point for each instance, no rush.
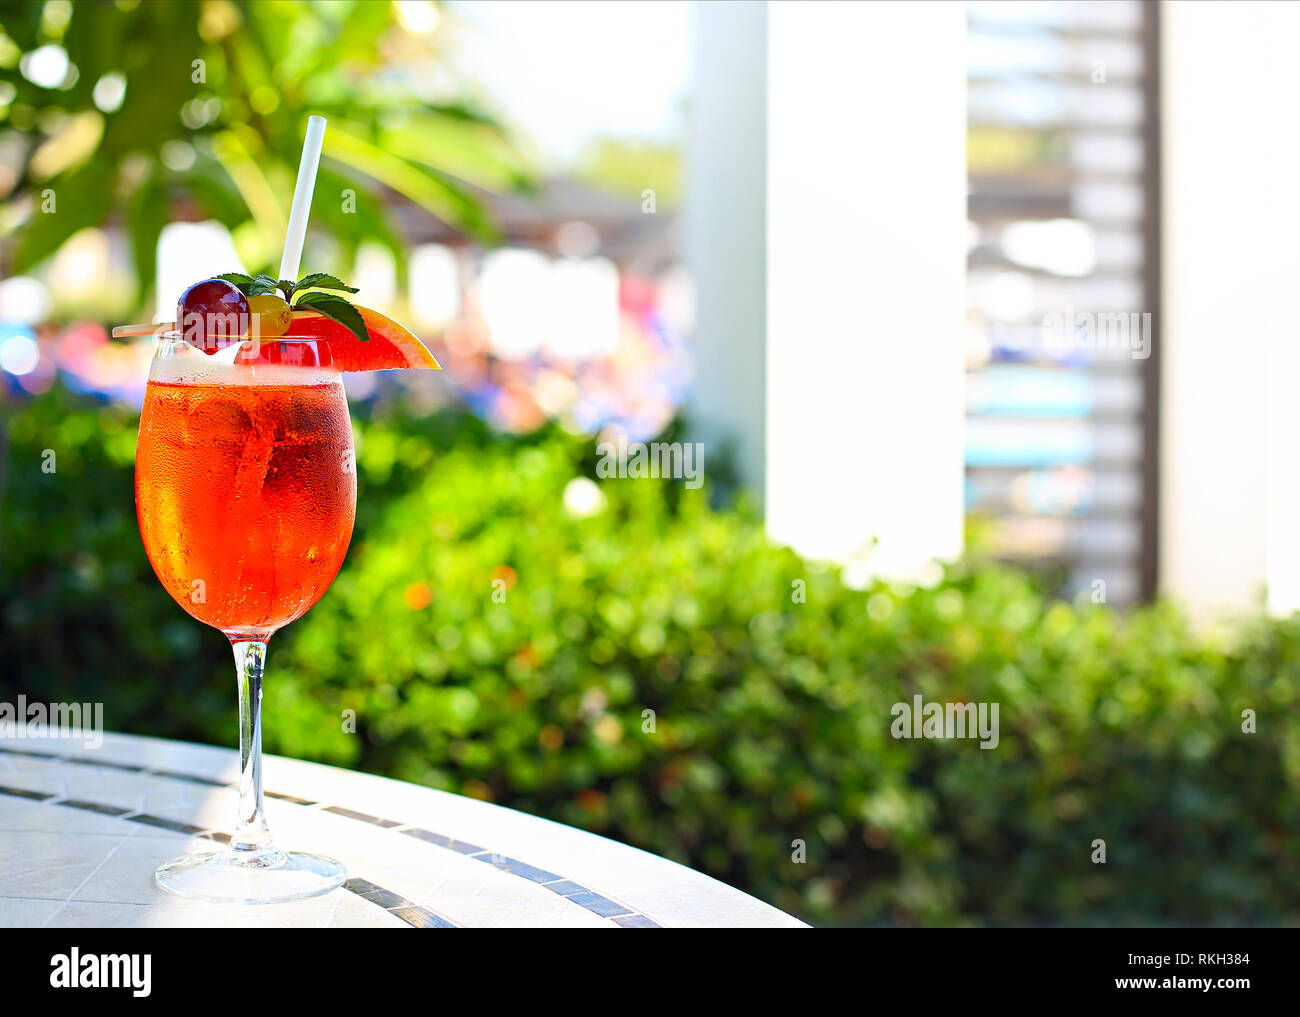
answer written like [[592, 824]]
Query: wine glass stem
[[251, 833]]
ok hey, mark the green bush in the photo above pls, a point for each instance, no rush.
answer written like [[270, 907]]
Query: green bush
[[771, 717], [82, 617]]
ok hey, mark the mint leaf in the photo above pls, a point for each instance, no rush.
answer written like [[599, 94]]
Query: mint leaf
[[336, 308], [238, 279], [262, 285], [286, 287], [323, 281]]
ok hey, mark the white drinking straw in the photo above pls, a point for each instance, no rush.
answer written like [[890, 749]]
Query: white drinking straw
[[296, 235]]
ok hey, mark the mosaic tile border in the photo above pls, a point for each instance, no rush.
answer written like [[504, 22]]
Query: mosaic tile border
[[410, 912]]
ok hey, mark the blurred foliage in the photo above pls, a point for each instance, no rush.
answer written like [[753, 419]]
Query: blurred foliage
[[197, 108], [771, 717], [629, 167]]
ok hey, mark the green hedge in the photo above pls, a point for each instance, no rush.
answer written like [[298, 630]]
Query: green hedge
[[771, 717]]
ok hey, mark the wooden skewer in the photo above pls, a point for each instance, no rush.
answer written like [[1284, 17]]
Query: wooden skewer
[[126, 331], [123, 331]]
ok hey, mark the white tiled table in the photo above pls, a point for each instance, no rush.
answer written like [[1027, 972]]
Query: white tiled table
[[82, 830]]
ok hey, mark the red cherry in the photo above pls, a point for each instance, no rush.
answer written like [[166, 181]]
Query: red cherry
[[212, 314]]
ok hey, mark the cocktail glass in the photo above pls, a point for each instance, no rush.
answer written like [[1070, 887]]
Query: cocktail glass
[[245, 489]]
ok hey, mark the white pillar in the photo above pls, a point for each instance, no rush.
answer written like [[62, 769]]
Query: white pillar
[[1230, 385], [841, 322], [726, 229]]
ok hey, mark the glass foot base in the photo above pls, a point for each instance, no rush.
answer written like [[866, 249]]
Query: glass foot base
[[270, 877]]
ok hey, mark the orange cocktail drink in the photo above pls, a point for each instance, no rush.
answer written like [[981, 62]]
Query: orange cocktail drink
[[246, 492], [245, 485]]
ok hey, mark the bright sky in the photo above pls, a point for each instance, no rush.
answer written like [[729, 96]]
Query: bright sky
[[564, 72]]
